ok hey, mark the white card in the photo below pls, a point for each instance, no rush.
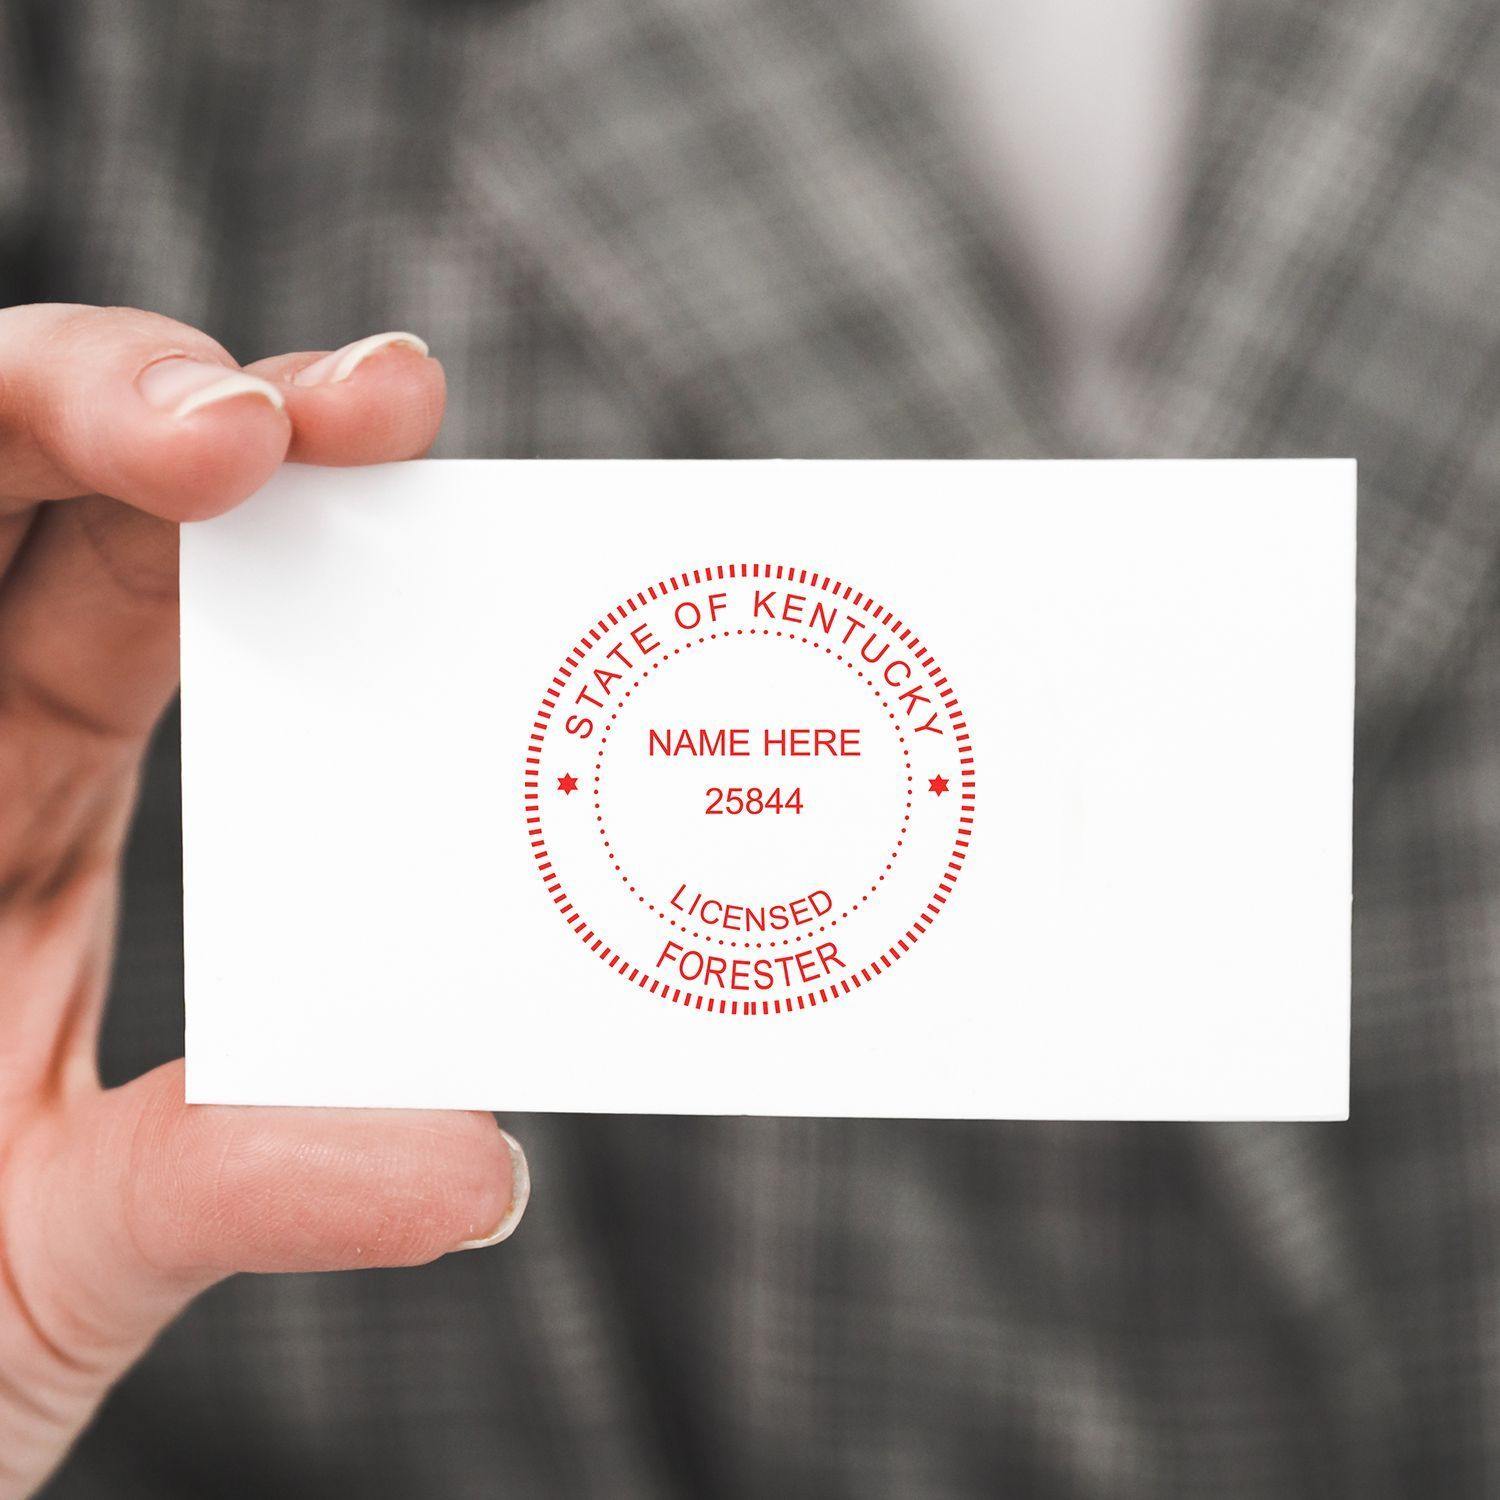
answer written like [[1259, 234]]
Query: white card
[[873, 789]]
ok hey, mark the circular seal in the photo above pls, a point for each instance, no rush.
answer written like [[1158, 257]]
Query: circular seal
[[749, 789]]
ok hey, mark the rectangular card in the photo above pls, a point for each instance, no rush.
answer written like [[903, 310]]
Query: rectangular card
[[973, 790]]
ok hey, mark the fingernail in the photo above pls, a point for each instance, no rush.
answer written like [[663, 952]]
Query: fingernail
[[182, 386], [342, 363], [520, 1193]]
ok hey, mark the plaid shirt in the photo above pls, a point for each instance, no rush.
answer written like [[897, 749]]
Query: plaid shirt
[[736, 227]]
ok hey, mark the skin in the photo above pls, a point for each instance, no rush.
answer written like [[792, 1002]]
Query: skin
[[118, 1206]]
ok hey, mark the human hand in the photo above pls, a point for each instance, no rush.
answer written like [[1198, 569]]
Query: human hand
[[117, 1206]]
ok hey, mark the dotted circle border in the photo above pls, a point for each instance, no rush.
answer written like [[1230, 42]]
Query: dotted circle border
[[713, 937], [664, 588]]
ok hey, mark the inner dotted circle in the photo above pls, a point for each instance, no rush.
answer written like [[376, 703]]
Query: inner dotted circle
[[803, 933]]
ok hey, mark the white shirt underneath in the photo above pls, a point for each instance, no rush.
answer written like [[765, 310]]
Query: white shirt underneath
[[1077, 113]]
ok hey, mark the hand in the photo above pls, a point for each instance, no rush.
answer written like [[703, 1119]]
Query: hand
[[118, 1206]]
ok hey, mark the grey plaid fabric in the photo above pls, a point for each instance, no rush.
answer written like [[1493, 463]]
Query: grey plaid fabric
[[736, 227]]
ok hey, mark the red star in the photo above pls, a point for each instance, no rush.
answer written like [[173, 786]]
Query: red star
[[568, 783], [937, 785]]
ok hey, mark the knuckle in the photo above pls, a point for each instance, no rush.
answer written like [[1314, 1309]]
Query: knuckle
[[77, 328], [67, 331], [67, 828]]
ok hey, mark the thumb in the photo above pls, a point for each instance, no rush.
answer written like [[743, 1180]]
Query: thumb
[[120, 1209]]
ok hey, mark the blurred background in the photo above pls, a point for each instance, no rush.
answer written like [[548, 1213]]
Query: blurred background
[[899, 228]]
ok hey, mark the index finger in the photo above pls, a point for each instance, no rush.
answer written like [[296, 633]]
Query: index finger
[[374, 401]]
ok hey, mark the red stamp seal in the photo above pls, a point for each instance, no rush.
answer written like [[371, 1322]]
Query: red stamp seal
[[749, 789]]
